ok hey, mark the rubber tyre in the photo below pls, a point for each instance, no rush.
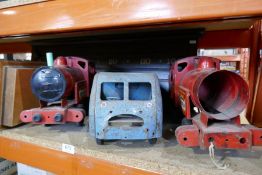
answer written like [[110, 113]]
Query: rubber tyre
[[100, 141], [152, 141], [81, 123]]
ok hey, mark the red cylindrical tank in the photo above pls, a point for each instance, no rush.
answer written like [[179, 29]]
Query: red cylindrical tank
[[71, 75], [51, 84], [221, 94]]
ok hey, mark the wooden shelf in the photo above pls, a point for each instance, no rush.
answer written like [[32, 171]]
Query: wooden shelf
[[59, 162], [40, 146], [67, 15], [229, 58]]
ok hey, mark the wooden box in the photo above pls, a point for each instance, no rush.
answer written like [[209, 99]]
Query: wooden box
[[15, 90]]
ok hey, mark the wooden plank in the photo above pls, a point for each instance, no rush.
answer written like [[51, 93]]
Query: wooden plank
[[60, 162], [229, 57], [228, 24], [8, 94], [12, 63], [239, 38], [253, 72], [13, 3], [68, 15], [115, 157], [256, 108], [17, 95], [15, 48]]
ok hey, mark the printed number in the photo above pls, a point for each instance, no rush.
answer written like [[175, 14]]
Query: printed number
[[68, 148]]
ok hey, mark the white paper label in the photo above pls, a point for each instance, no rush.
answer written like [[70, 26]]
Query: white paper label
[[68, 148]]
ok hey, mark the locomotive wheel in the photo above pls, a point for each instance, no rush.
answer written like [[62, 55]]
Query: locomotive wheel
[[81, 123], [152, 141], [100, 141], [48, 125], [186, 121]]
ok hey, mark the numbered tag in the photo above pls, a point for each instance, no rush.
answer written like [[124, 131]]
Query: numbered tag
[[68, 148]]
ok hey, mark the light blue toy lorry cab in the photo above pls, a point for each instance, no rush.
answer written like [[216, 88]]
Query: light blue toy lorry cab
[[125, 106]]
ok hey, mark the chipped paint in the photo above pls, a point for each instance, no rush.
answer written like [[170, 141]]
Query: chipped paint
[[129, 114]]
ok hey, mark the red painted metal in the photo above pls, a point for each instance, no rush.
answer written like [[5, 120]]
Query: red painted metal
[[237, 38], [48, 115], [75, 70], [187, 135], [256, 135], [78, 74], [223, 134], [220, 96]]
